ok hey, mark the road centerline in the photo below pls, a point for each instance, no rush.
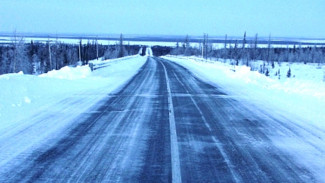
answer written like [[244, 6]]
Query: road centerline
[[176, 171]]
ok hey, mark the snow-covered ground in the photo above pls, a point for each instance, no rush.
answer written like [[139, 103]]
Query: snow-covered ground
[[299, 100], [23, 96]]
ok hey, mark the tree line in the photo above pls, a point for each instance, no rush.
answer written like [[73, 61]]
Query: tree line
[[37, 57], [246, 52], [121, 50]]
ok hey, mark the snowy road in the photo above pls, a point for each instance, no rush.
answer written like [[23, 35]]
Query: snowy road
[[165, 125]]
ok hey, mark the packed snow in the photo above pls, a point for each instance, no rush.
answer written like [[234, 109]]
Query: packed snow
[[299, 100], [22, 96]]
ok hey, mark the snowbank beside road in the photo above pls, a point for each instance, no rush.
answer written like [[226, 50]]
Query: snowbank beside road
[[22, 96], [35, 110], [301, 98]]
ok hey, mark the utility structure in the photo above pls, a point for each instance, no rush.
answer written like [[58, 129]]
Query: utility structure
[[15, 51], [269, 56], [96, 47], [80, 43], [50, 57], [226, 39]]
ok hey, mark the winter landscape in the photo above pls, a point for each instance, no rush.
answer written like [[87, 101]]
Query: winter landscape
[[126, 92]]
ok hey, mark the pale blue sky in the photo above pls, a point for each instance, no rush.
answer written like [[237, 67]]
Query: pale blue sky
[[292, 18]]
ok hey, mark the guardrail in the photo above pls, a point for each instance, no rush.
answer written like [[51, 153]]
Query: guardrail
[[94, 65], [97, 66]]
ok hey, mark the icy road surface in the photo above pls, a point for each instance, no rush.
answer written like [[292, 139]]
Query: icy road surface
[[165, 125]]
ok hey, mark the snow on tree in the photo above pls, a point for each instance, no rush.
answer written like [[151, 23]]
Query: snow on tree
[[187, 47], [18, 57], [121, 49], [36, 65]]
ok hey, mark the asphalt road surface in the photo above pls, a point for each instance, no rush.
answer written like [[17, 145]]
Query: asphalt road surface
[[164, 125]]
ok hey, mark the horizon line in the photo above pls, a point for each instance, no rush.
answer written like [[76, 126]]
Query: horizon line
[[116, 35]]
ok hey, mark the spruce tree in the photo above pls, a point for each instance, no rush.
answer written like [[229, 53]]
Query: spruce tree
[[289, 73], [267, 73]]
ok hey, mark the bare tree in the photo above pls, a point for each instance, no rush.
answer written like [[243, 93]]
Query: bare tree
[[255, 47], [18, 57], [269, 53], [5, 60], [236, 53], [244, 54], [36, 65], [187, 47], [244, 41], [225, 49], [121, 50], [205, 46]]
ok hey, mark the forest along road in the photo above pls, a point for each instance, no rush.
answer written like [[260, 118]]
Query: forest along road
[[164, 125]]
